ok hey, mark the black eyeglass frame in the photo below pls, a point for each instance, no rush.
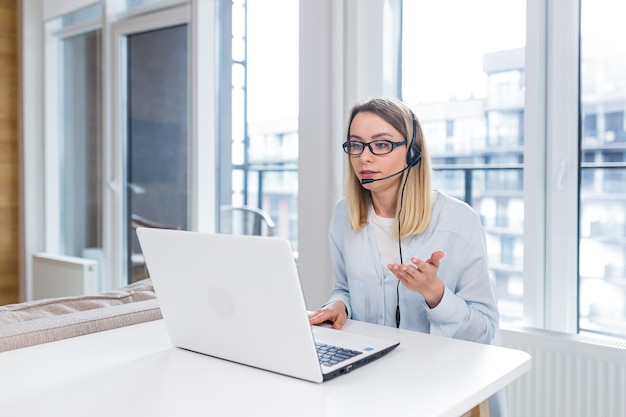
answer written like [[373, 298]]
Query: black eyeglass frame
[[347, 146]]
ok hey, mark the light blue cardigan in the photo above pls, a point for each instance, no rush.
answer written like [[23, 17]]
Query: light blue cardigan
[[468, 309]]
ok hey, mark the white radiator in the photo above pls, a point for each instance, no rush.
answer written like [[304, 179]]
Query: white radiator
[[61, 276], [570, 376]]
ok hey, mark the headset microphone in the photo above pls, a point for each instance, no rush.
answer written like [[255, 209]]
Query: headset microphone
[[371, 180]]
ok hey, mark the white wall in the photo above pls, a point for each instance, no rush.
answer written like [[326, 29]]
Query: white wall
[[319, 171]]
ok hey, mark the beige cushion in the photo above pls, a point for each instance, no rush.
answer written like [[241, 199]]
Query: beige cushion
[[41, 321]]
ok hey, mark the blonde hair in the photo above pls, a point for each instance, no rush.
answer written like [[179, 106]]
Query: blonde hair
[[416, 203]]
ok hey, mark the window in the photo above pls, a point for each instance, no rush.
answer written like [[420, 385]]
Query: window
[[116, 135], [263, 139], [130, 135], [74, 161], [81, 167], [158, 135], [567, 271], [466, 85], [499, 106], [602, 268]]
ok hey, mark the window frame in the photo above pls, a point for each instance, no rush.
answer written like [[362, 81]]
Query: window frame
[[562, 151]]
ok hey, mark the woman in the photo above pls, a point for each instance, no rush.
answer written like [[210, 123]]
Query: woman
[[405, 255], [445, 289]]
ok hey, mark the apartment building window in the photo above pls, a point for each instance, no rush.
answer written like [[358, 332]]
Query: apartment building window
[[590, 126], [474, 82], [449, 128]]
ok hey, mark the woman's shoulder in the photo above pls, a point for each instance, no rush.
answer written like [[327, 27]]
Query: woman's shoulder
[[457, 220], [341, 203], [449, 208], [339, 225], [341, 206], [341, 209]]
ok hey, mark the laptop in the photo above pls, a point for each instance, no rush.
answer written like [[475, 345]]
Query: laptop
[[239, 298]]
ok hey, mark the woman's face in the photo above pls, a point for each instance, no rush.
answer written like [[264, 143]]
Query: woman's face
[[367, 127]]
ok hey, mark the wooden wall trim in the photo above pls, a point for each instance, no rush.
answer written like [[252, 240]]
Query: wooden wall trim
[[9, 181]]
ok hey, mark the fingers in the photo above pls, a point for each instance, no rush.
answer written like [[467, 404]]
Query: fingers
[[433, 260], [436, 257], [418, 264], [319, 316], [339, 322], [337, 318], [421, 275], [402, 271], [405, 274]]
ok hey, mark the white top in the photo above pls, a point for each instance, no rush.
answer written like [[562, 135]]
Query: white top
[[135, 371], [387, 242], [363, 282]]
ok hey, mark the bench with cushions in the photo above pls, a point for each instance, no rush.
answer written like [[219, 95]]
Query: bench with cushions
[[41, 321]]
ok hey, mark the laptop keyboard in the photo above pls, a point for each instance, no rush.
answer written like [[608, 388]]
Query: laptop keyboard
[[331, 355]]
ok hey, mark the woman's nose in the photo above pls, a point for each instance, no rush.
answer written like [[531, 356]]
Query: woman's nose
[[367, 154]]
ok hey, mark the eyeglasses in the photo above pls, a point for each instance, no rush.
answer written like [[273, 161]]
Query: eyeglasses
[[377, 147]]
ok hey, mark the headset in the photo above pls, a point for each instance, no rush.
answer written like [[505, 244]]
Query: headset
[[414, 153]]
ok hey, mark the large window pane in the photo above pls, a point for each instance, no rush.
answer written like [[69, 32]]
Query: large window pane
[[602, 267], [81, 176], [463, 75], [158, 135], [264, 132]]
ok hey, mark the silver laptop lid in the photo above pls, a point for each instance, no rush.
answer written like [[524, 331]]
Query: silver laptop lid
[[234, 297]]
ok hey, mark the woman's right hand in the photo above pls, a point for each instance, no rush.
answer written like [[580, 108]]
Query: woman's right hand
[[334, 313]]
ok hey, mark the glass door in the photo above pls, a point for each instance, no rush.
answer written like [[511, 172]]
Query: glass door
[[158, 136]]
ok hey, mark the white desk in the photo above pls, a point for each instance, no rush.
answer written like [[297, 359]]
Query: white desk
[[136, 371]]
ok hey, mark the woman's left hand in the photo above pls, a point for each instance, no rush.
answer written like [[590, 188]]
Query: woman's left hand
[[422, 277]]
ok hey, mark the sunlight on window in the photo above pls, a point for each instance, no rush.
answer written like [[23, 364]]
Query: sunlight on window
[[273, 60], [265, 98], [448, 41], [463, 74]]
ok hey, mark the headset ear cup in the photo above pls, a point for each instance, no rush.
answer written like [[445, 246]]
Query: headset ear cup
[[414, 153]]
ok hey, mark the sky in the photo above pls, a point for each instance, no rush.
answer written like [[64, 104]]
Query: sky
[[444, 43], [273, 59], [449, 38]]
